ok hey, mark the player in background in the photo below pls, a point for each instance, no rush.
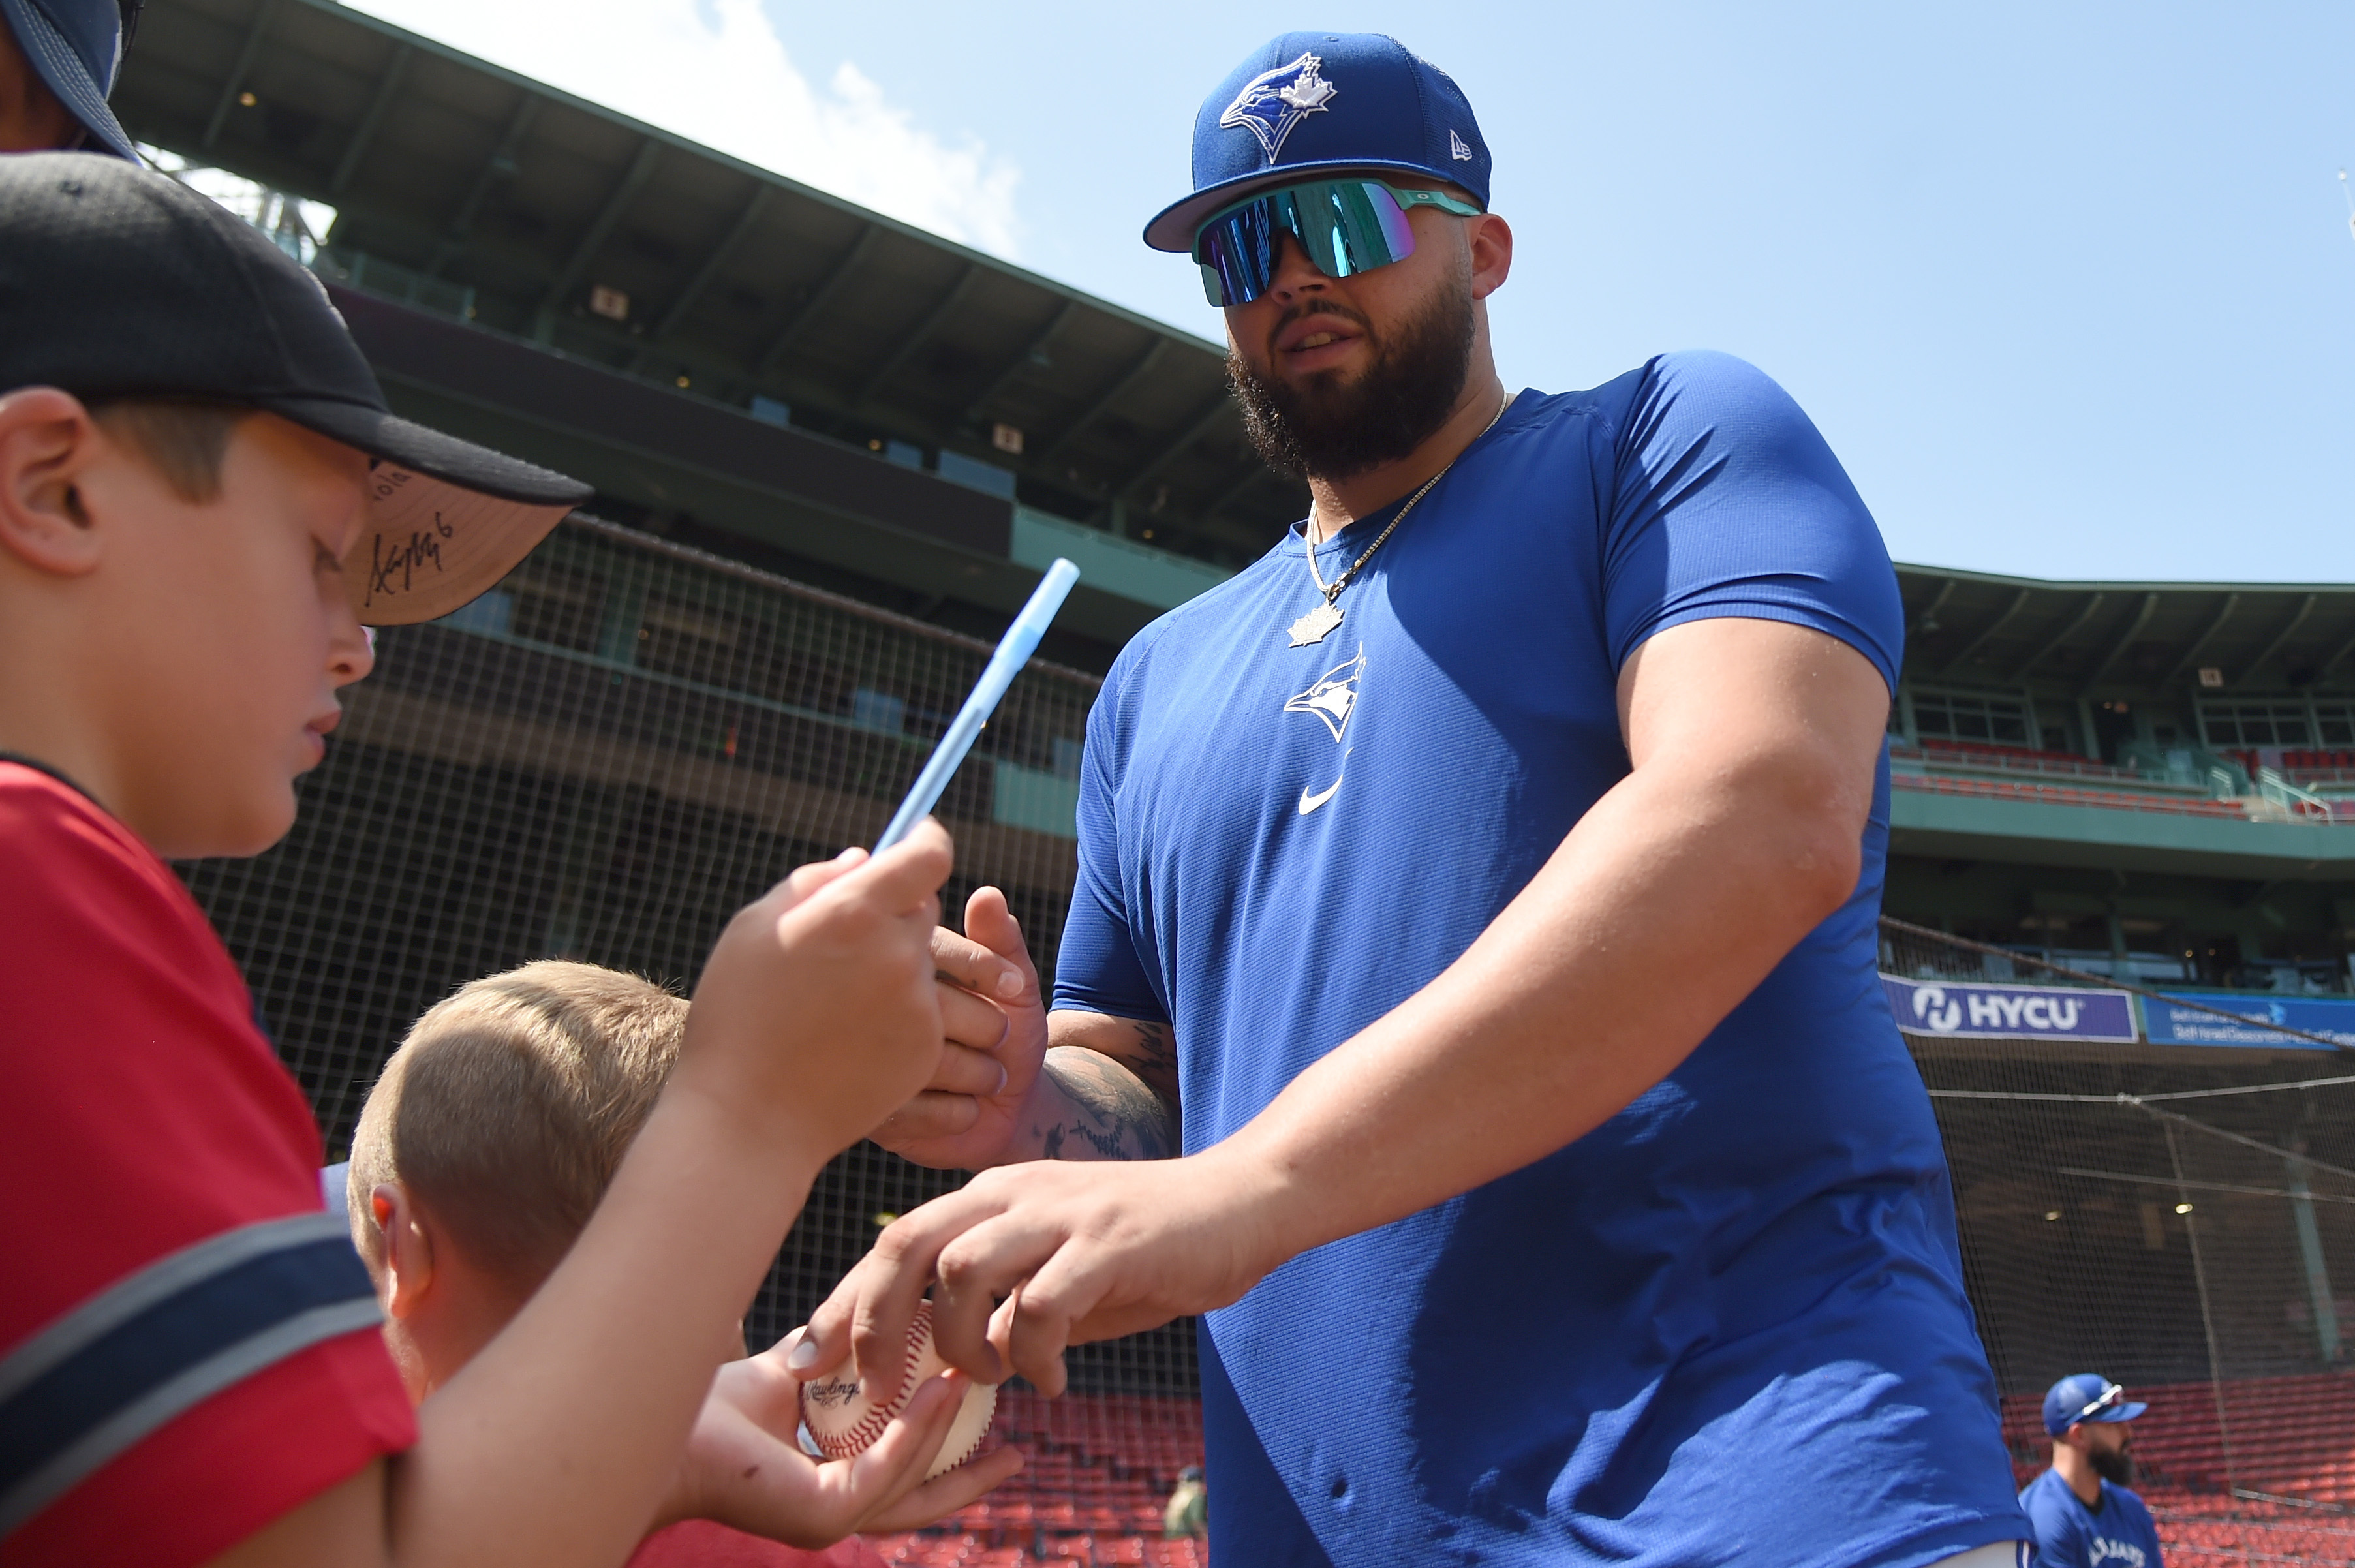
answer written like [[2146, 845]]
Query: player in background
[[482, 1151], [58, 62], [1480, 891], [2082, 1511], [202, 498]]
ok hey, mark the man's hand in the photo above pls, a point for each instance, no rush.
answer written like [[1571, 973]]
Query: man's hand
[[994, 1040], [744, 1469], [816, 1016], [1097, 1250]]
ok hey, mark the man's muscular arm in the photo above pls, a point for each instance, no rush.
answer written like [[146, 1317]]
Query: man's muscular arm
[[1017, 1082], [1108, 1090]]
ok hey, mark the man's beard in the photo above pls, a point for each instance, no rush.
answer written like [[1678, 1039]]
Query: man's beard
[[2117, 1466], [1336, 430]]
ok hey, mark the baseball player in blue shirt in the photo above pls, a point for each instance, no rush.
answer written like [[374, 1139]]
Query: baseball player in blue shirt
[[2084, 1514], [1478, 893]]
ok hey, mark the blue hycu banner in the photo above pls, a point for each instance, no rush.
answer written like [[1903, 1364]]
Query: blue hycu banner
[[2171, 1025], [1970, 1010]]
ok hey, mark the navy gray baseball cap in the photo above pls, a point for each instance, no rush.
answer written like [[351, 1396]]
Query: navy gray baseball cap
[[2086, 1396], [116, 281], [1310, 104], [75, 47]]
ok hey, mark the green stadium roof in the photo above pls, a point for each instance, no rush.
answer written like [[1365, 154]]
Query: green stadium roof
[[455, 178], [2083, 639]]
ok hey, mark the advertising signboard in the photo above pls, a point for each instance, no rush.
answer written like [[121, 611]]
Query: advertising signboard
[[2316, 1015], [1975, 1010]]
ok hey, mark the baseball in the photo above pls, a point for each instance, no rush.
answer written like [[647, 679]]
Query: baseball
[[842, 1421]]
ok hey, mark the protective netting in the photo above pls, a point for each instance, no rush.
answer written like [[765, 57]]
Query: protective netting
[[2175, 1218], [604, 759], [614, 749]]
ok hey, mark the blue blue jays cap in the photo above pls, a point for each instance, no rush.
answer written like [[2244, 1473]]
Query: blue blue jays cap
[[1309, 104], [75, 47], [2086, 1396]]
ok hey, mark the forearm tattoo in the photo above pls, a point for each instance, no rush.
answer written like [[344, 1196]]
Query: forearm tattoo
[[1109, 1112]]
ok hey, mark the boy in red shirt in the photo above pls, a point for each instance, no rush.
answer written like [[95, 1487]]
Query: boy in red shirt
[[202, 497], [482, 1151]]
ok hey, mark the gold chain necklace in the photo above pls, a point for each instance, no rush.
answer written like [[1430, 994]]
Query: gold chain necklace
[[1318, 623]]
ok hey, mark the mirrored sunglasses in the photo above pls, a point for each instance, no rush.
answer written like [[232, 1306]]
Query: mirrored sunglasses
[[1345, 226]]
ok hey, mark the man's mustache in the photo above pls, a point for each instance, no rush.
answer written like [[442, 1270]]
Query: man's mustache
[[1316, 307]]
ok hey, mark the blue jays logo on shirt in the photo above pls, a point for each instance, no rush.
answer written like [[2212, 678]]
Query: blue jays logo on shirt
[[1273, 101], [1334, 698]]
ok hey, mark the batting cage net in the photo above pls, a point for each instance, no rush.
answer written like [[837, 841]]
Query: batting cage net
[[2172, 1216], [604, 759], [607, 755]]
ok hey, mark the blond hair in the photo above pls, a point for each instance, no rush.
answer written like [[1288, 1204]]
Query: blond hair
[[509, 1108], [183, 440]]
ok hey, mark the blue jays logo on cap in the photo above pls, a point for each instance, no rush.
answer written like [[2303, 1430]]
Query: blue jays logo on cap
[[1273, 101], [1305, 105]]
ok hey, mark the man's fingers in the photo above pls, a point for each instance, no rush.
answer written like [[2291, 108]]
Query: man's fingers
[[930, 1115], [977, 1271], [978, 968], [967, 1021], [987, 921]]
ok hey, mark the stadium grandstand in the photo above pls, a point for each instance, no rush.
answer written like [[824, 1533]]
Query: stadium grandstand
[[834, 453]]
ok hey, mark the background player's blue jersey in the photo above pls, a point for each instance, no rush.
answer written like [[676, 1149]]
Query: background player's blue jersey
[[1726, 1326], [2071, 1535]]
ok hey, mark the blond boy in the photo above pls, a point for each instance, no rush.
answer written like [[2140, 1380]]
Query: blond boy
[[202, 497], [481, 1152]]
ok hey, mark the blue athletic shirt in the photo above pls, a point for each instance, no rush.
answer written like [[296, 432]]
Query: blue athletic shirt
[[1729, 1324], [2071, 1535]]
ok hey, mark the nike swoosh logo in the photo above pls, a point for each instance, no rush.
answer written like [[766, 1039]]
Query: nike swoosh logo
[[1309, 803]]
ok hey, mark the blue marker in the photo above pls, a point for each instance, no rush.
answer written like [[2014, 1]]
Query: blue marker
[[1014, 651]]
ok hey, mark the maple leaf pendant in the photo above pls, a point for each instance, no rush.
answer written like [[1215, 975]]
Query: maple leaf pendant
[[1316, 626]]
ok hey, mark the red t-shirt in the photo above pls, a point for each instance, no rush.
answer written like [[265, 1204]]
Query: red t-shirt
[[699, 1543], [188, 1342]]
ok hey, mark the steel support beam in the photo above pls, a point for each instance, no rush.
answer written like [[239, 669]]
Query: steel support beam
[[1196, 429], [1029, 356], [1094, 410], [2093, 608], [499, 166], [2019, 602], [2191, 655], [712, 264], [599, 228], [236, 82], [820, 297], [934, 320], [364, 132], [2305, 608], [2134, 629], [1937, 602]]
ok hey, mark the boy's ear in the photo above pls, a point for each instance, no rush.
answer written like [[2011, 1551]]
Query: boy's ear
[[406, 1249], [48, 441]]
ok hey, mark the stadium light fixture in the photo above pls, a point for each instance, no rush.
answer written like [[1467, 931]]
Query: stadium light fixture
[[2184, 1208]]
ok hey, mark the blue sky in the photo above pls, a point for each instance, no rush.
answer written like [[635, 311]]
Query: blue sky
[[2071, 289]]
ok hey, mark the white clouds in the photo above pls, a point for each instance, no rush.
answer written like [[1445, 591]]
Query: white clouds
[[714, 71]]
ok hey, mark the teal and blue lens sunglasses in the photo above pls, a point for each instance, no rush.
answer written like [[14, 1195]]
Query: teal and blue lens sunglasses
[[1345, 227]]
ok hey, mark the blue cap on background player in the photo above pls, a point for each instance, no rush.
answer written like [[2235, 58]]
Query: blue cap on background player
[[2086, 1396], [75, 47], [1308, 104]]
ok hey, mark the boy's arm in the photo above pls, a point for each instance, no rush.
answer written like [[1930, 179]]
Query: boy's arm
[[555, 1444]]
